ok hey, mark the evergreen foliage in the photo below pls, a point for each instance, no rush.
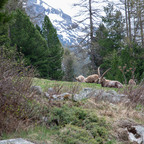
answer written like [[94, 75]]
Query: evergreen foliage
[[68, 64], [55, 49], [114, 32], [114, 52], [29, 42], [5, 19]]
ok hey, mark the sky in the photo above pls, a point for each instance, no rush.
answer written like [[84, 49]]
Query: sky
[[65, 5]]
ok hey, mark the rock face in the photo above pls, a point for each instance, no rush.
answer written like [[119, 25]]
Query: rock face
[[15, 141]]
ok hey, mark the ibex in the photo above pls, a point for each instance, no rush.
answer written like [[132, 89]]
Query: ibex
[[108, 83], [92, 78], [80, 78], [132, 82]]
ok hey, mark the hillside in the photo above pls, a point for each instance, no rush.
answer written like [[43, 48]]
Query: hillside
[[58, 121]]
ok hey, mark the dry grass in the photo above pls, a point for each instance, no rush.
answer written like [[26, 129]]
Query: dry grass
[[114, 112]]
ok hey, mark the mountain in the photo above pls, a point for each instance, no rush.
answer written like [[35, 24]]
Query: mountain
[[63, 23], [65, 26]]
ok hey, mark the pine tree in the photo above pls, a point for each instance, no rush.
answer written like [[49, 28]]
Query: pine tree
[[115, 29], [55, 49], [68, 65], [5, 19], [30, 42]]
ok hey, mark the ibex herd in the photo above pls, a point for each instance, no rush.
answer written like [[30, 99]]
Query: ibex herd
[[97, 78]]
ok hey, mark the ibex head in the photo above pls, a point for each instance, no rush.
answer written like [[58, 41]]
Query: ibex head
[[101, 78]]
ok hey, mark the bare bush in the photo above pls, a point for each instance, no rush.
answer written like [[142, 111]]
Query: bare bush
[[15, 83], [135, 94]]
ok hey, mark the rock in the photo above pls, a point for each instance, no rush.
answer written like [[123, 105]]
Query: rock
[[37, 90], [136, 134], [15, 141], [111, 95], [85, 93], [58, 97], [46, 95]]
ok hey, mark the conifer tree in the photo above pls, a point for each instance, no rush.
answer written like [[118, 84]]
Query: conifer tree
[[4, 28], [30, 42], [55, 49]]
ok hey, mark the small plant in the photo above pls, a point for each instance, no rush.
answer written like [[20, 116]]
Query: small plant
[[127, 71]]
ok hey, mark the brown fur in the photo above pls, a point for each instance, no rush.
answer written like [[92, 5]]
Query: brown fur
[[132, 82], [80, 78], [108, 83], [92, 78]]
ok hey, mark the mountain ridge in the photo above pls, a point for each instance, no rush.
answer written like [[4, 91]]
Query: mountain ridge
[[60, 20]]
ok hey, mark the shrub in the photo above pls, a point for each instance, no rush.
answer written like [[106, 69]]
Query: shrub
[[15, 83], [66, 115], [75, 135], [80, 126]]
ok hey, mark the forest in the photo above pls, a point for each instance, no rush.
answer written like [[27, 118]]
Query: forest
[[116, 42]]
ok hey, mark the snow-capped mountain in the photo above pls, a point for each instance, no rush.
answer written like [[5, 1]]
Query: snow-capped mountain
[[63, 23], [37, 9]]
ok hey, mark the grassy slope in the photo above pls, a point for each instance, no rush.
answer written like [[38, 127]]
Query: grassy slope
[[112, 113], [48, 83]]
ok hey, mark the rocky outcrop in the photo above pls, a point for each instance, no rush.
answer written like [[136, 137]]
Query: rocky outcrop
[[109, 95]]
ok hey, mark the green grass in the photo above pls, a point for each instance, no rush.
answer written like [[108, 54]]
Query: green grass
[[75, 125], [45, 83], [39, 134]]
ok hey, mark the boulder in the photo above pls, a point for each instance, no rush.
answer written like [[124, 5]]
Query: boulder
[[110, 95], [136, 134], [15, 141]]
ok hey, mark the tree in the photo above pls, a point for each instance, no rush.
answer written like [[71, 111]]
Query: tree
[[29, 42], [110, 33], [109, 39], [134, 17], [114, 23], [55, 49], [5, 18], [68, 66], [89, 17]]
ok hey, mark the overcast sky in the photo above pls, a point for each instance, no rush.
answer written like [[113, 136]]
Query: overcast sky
[[65, 5]]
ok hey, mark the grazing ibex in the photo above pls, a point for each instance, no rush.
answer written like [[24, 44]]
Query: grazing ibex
[[132, 82], [80, 78], [108, 83], [92, 78]]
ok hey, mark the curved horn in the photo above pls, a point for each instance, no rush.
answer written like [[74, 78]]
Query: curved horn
[[105, 73], [99, 71]]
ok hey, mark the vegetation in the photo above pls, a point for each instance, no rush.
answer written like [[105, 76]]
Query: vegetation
[[55, 49], [27, 51]]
